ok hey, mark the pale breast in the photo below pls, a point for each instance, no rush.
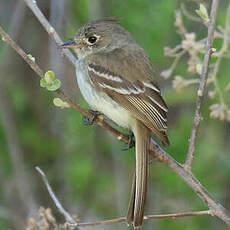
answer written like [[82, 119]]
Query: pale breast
[[99, 101]]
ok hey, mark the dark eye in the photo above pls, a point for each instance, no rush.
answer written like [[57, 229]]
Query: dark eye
[[92, 39]]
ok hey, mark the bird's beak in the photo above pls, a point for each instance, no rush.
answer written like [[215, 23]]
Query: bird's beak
[[71, 44]]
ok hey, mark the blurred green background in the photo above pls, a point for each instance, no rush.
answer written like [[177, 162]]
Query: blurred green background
[[85, 165]]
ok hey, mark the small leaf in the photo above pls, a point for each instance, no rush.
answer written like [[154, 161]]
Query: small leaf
[[49, 77], [59, 103], [49, 81], [55, 85], [43, 83], [203, 13]]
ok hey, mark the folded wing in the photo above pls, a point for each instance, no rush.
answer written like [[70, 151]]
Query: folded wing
[[138, 94]]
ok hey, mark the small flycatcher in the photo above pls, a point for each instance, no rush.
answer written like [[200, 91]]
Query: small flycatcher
[[116, 78]]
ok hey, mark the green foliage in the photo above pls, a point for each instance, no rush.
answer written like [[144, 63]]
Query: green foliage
[[49, 82], [203, 13], [59, 103]]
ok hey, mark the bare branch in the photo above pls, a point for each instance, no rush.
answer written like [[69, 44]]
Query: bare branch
[[69, 219], [99, 120], [49, 29], [71, 222], [147, 217], [216, 208], [202, 86]]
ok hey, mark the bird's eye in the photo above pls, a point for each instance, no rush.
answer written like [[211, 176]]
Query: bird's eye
[[92, 39]]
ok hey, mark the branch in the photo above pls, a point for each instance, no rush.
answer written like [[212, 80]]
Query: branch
[[202, 86], [49, 29], [216, 208], [99, 120], [155, 150], [147, 217], [72, 223], [69, 219]]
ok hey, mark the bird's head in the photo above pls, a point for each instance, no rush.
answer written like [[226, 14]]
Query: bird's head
[[98, 36]]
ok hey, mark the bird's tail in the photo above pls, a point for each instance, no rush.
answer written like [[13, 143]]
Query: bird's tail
[[139, 190]]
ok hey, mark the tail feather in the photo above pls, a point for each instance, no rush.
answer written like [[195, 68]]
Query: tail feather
[[142, 134], [130, 212]]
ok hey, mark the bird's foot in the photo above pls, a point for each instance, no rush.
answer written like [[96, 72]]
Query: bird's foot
[[131, 142], [89, 121]]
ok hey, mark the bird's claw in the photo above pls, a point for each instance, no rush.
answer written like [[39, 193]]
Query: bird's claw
[[89, 121], [131, 142]]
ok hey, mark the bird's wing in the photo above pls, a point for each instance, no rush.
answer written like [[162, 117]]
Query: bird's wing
[[131, 86]]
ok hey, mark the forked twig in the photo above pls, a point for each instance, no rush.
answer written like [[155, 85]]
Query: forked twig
[[71, 222], [202, 86], [59, 206]]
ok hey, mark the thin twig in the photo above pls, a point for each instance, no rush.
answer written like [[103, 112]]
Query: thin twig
[[99, 120], [202, 86], [216, 208], [71, 222], [69, 219], [147, 217], [32, 4]]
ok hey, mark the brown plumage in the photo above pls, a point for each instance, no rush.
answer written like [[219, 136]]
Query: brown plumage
[[116, 78], [133, 75]]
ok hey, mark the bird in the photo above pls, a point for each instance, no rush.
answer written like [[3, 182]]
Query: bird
[[117, 79]]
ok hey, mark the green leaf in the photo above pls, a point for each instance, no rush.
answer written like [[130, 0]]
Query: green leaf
[[43, 83], [203, 13], [49, 77], [49, 82], [55, 85], [59, 103]]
